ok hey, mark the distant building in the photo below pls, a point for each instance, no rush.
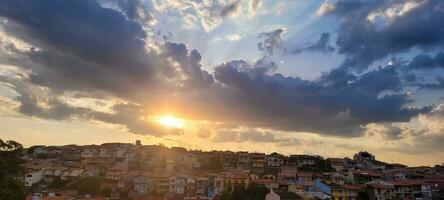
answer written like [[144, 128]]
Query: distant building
[[275, 160], [363, 156]]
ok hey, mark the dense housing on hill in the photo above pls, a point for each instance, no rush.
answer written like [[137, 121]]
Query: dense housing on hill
[[127, 171]]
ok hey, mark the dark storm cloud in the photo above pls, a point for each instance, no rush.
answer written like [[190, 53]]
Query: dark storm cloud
[[81, 46], [426, 62], [189, 64], [364, 42], [439, 84], [97, 34], [289, 103], [322, 45]]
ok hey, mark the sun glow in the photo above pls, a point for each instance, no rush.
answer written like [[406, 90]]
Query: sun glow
[[170, 121]]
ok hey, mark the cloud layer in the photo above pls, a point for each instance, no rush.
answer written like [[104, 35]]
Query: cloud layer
[[107, 50]]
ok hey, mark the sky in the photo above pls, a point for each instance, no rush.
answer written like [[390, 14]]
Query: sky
[[329, 78]]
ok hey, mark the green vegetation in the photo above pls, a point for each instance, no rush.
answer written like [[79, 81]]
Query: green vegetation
[[240, 193], [11, 186], [363, 195], [88, 185]]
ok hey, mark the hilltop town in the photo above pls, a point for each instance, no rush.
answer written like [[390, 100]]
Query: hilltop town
[[135, 171]]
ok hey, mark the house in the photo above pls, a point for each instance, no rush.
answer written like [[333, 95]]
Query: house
[[363, 176], [380, 191], [115, 172], [201, 186], [51, 172], [341, 192], [337, 178], [243, 161], [305, 160], [338, 164], [143, 185], [287, 174], [258, 160], [178, 185], [270, 184], [191, 161], [317, 190], [229, 162], [232, 179], [304, 177], [275, 160], [161, 183], [412, 189], [89, 153], [297, 188], [105, 153], [40, 150], [69, 173], [34, 174], [34, 171], [282, 195], [217, 186]]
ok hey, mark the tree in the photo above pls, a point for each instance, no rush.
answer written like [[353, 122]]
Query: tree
[[253, 192], [87, 185], [11, 187], [363, 195], [257, 192], [225, 195], [239, 193]]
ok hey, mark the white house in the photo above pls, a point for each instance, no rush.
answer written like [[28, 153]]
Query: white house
[[33, 177]]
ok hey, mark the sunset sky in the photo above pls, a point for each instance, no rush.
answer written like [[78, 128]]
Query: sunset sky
[[292, 76]]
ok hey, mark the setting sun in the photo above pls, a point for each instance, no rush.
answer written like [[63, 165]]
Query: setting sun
[[170, 121]]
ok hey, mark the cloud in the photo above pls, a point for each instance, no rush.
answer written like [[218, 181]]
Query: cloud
[[426, 62], [39, 103], [289, 103], [364, 41], [191, 14], [320, 46], [231, 9], [243, 136], [104, 52], [325, 8], [254, 6], [387, 131], [272, 41], [422, 135], [255, 136]]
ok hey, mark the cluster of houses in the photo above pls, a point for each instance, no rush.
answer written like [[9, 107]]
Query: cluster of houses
[[157, 172]]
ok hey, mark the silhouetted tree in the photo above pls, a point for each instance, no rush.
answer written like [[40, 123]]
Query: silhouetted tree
[[362, 195], [253, 192], [256, 192], [11, 186], [239, 193]]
